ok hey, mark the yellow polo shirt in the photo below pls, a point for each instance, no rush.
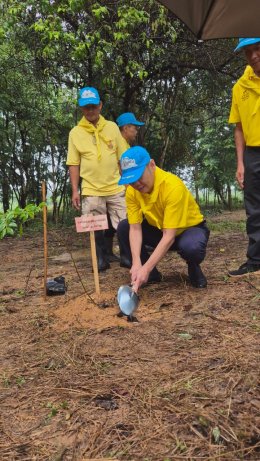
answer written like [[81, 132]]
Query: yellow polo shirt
[[125, 143], [245, 106], [169, 206], [99, 176]]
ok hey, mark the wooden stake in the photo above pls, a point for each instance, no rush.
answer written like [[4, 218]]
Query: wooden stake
[[94, 261], [45, 243]]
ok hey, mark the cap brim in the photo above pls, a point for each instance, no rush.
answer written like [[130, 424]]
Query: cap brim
[[246, 42], [130, 123], [128, 177], [86, 102]]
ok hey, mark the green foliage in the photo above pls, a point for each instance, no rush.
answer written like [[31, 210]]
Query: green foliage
[[53, 410], [20, 381], [226, 226], [140, 59], [13, 220], [216, 434]]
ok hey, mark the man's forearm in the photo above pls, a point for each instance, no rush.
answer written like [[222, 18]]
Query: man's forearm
[[74, 177], [240, 143], [160, 251], [135, 238]]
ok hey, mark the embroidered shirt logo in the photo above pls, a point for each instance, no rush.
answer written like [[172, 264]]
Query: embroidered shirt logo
[[245, 95], [88, 94], [127, 163]]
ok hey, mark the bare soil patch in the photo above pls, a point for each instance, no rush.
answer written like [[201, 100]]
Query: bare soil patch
[[79, 383]]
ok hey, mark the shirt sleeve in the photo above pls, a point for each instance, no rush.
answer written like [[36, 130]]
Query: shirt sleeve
[[234, 116], [134, 211], [73, 157]]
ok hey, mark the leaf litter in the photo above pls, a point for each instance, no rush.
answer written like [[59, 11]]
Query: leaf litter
[[80, 383]]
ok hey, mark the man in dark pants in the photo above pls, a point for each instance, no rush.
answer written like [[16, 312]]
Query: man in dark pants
[[245, 113], [162, 214], [128, 126]]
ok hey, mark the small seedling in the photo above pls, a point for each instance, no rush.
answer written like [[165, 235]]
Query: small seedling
[[216, 434], [185, 335], [19, 293], [20, 380], [64, 405], [6, 380], [188, 385], [53, 410], [181, 446], [203, 421]]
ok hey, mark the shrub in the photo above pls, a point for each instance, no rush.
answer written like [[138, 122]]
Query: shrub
[[12, 221]]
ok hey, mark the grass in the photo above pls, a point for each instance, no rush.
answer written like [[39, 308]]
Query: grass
[[226, 226]]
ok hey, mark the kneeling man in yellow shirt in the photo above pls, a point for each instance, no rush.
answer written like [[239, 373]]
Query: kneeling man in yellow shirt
[[163, 214]]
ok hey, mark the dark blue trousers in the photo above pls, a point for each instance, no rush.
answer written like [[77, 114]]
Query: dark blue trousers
[[191, 244], [252, 202]]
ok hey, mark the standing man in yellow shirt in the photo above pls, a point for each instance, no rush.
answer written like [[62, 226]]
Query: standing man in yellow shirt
[[245, 113], [95, 147], [163, 214], [128, 126]]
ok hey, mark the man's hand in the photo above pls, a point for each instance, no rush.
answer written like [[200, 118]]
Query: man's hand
[[240, 176], [134, 270], [139, 276], [75, 200]]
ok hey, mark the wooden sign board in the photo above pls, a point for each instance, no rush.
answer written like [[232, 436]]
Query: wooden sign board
[[88, 223]]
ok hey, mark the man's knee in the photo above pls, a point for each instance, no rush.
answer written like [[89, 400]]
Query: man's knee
[[194, 249]]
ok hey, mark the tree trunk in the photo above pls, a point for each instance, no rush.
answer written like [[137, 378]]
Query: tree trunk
[[229, 200], [5, 194]]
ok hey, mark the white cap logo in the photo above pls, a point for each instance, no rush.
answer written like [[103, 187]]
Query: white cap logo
[[88, 94], [127, 163]]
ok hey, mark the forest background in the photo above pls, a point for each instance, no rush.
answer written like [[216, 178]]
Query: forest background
[[141, 59]]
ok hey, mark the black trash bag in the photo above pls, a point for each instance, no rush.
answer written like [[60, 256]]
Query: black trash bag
[[56, 286]]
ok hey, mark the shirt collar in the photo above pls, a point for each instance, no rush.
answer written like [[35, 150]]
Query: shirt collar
[[158, 179]]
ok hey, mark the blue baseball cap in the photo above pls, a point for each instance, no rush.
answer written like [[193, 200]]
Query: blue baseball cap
[[245, 42], [133, 163], [128, 118], [88, 95]]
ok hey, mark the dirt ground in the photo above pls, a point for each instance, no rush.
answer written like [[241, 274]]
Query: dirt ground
[[79, 383]]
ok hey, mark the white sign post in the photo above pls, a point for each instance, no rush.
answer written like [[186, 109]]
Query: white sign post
[[90, 223]]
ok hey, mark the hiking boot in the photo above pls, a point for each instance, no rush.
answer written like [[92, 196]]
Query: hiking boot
[[109, 250], [196, 276], [125, 261], [244, 269], [102, 258]]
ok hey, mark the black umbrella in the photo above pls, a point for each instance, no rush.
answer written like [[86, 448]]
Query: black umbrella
[[218, 18]]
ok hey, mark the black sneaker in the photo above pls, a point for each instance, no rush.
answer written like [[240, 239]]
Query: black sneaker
[[155, 277], [244, 269], [112, 258], [196, 276]]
